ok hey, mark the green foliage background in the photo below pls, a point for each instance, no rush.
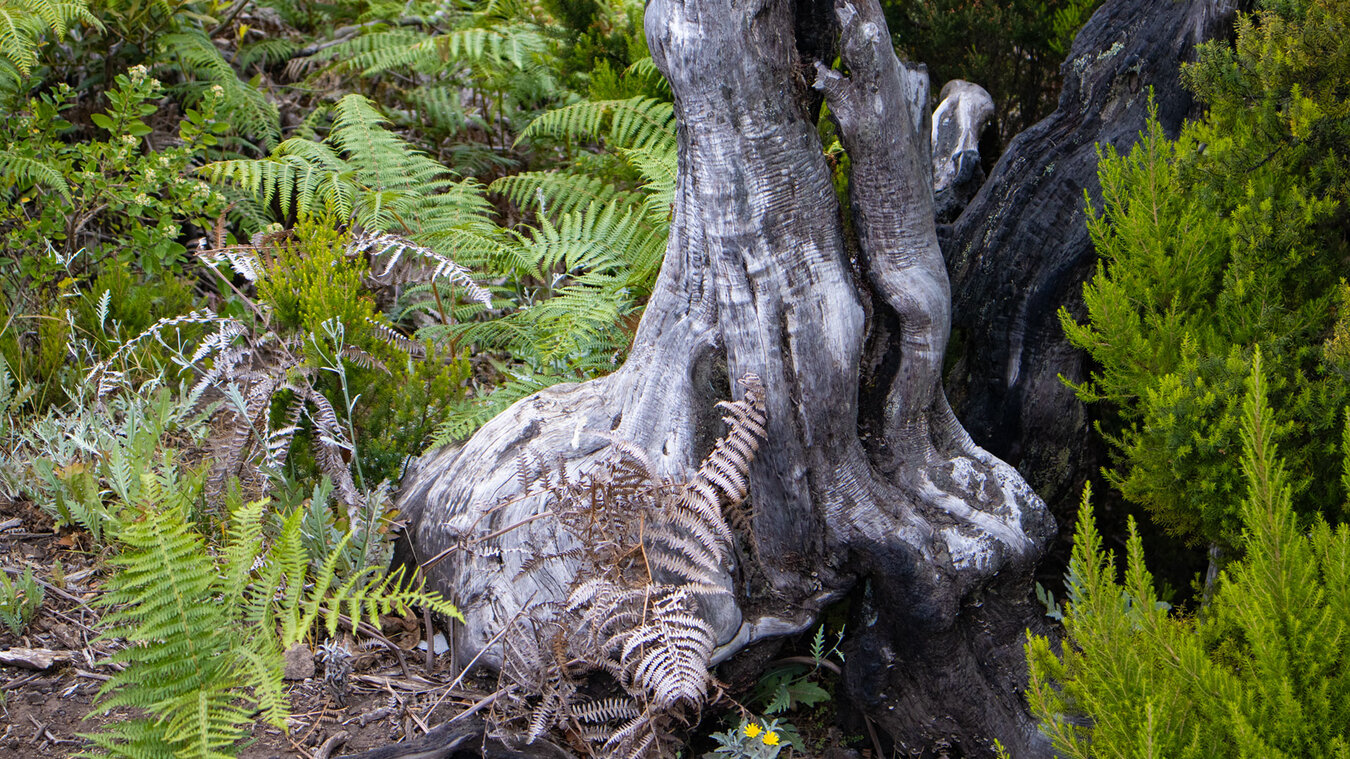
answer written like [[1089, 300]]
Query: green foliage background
[[1012, 49], [235, 240]]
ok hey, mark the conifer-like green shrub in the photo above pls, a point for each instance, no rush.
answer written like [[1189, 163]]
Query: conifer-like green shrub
[[1230, 236], [1261, 671]]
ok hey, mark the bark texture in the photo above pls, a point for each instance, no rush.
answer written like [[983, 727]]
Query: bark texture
[[1020, 250], [865, 484], [961, 117]]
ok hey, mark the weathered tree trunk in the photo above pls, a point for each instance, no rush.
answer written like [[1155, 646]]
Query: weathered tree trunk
[[1020, 250], [865, 483]]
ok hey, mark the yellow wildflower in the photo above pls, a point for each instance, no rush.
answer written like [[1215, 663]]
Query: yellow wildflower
[[751, 730], [770, 738]]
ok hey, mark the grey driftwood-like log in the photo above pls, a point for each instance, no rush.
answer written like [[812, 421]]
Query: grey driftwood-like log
[[864, 485], [964, 111], [1020, 250]]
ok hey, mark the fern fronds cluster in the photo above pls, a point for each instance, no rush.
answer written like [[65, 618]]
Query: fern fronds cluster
[[647, 553], [19, 600], [574, 279], [520, 45], [187, 661], [468, 73], [23, 23], [637, 123], [205, 631], [366, 176], [595, 247], [250, 111]]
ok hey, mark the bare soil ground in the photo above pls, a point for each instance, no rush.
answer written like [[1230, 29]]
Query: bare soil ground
[[45, 712]]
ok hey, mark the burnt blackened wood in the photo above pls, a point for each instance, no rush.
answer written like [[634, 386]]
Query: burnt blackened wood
[[1020, 250]]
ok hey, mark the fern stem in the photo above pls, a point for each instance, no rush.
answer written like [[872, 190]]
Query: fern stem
[[440, 556]]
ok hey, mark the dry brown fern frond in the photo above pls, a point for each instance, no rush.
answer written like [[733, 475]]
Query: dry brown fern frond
[[649, 551], [399, 260]]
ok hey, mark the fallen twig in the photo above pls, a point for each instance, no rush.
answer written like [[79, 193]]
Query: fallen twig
[[482, 704], [334, 740], [365, 718], [809, 661], [68, 596]]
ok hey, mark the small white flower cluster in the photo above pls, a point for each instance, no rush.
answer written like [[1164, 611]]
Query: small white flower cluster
[[139, 73]]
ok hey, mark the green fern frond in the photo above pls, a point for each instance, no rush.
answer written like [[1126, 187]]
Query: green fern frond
[[197, 54], [365, 595], [366, 173], [249, 109], [266, 51], [268, 681], [181, 664], [24, 171], [19, 32], [560, 192], [439, 107], [576, 328], [376, 50], [657, 167], [518, 45], [207, 632], [133, 738], [647, 76], [467, 417], [24, 22], [502, 334], [359, 130], [599, 239], [636, 123], [300, 174], [244, 544], [291, 566], [59, 16], [596, 243]]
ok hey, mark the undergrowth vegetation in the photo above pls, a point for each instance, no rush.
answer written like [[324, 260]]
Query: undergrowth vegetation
[[229, 230]]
